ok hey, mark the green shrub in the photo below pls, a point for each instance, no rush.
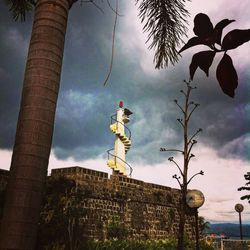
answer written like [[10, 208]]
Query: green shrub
[[168, 244], [116, 230]]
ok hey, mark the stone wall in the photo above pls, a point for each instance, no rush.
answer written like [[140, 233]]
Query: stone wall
[[148, 210]]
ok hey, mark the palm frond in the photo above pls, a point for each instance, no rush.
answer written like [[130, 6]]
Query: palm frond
[[165, 23], [19, 8]]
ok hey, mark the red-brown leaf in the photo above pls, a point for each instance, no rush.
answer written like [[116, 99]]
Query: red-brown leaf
[[235, 38], [191, 42], [202, 26], [218, 29], [227, 75], [204, 60]]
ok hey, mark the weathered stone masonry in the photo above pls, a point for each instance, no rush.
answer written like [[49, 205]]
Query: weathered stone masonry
[[148, 210]]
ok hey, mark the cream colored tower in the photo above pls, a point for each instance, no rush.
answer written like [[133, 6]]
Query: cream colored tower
[[117, 159]]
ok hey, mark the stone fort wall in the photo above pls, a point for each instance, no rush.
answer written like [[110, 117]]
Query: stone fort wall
[[148, 210]]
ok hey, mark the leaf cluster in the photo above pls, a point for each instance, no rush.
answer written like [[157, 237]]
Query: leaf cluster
[[19, 8], [165, 23], [211, 36], [246, 187]]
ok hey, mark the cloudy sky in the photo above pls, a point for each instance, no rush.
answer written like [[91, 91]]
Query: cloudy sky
[[82, 136]]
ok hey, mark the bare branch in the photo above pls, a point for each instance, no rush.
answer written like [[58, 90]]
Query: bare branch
[[171, 150], [111, 7], [200, 173], [197, 132], [179, 106], [194, 108], [94, 3], [191, 156], [183, 93], [177, 178], [190, 148], [180, 121], [171, 159]]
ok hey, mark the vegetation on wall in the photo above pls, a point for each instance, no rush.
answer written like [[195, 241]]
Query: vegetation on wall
[[168, 244], [59, 223], [117, 230]]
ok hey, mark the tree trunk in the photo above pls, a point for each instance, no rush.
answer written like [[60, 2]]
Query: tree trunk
[[182, 221], [35, 125]]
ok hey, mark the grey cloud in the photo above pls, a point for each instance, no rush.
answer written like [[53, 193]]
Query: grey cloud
[[238, 148], [84, 105], [219, 200]]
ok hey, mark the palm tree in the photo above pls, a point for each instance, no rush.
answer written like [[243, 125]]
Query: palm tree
[[35, 124]]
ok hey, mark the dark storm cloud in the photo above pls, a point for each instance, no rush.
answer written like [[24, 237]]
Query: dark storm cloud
[[13, 48], [84, 105]]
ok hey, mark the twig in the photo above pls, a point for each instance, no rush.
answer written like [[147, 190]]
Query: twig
[[194, 108], [93, 2], [197, 132], [200, 173], [177, 178], [171, 159], [111, 7], [176, 102], [171, 150], [113, 45]]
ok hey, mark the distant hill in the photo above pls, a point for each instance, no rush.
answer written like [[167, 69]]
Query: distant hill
[[230, 229]]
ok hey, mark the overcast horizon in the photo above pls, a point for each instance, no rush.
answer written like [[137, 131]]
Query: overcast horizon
[[81, 134]]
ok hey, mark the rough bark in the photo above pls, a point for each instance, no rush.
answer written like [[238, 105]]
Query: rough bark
[[180, 245], [35, 125]]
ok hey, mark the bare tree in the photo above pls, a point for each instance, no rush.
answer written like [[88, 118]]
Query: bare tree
[[189, 141]]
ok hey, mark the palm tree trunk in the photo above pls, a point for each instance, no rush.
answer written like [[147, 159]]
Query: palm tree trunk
[[35, 125]]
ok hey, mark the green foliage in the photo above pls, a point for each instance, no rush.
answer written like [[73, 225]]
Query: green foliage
[[204, 225], [116, 230], [246, 187], [165, 22], [158, 196], [132, 245], [167, 244], [205, 246], [171, 214], [59, 224], [19, 8]]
